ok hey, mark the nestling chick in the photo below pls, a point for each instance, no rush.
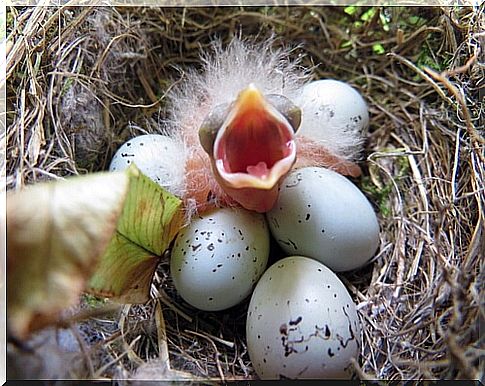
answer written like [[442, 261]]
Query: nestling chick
[[239, 125]]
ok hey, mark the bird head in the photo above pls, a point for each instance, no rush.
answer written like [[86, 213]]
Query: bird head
[[251, 145]]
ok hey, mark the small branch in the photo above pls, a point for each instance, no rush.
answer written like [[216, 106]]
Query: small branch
[[475, 136], [462, 69]]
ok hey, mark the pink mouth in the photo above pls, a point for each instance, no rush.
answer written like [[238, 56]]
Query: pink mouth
[[255, 147]]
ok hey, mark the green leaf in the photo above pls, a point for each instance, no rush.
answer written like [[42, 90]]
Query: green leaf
[[150, 220], [125, 272], [368, 15], [350, 10], [378, 49], [384, 22], [346, 43], [149, 213]]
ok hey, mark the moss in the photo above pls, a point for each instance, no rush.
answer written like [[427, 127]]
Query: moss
[[93, 301], [380, 192], [380, 196], [7, 23]]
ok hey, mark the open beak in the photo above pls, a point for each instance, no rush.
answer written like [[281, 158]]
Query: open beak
[[253, 150]]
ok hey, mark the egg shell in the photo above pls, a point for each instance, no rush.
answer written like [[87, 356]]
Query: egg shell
[[219, 257], [159, 157], [301, 322], [321, 214], [333, 113]]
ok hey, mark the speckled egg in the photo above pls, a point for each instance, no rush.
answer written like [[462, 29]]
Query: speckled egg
[[321, 214], [219, 257], [157, 156], [333, 113], [302, 322]]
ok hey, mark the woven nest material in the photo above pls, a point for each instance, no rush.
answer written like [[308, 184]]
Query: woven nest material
[[82, 80]]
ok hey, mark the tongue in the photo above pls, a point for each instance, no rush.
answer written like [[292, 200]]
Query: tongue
[[260, 170]]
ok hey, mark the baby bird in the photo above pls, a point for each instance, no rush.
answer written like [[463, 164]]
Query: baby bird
[[238, 122]]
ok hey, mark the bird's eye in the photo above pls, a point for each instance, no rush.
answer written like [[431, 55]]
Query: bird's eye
[[211, 125], [287, 108]]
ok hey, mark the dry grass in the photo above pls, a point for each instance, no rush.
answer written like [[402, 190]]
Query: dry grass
[[80, 81]]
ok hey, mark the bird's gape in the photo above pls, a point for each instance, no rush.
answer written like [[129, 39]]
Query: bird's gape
[[251, 146]]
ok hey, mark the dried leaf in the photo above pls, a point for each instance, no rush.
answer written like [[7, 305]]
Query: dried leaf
[[56, 232], [36, 141], [150, 220], [104, 232]]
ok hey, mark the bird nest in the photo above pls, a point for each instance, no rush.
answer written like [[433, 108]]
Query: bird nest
[[82, 80]]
